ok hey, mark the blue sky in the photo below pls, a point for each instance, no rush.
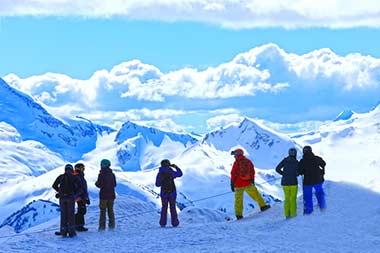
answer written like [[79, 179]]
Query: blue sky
[[81, 46], [194, 65]]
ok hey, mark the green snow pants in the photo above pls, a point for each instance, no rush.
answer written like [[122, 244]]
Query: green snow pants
[[252, 192], [290, 201]]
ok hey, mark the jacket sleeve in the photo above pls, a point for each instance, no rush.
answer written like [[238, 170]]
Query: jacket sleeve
[[233, 172], [56, 183], [322, 164], [279, 167], [301, 169], [98, 182], [114, 180], [177, 173], [78, 191], [252, 169], [158, 181]]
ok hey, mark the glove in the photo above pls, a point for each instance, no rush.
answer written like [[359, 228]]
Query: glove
[[57, 195], [232, 186], [88, 201]]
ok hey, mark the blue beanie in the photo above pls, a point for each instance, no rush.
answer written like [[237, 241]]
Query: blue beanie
[[105, 163]]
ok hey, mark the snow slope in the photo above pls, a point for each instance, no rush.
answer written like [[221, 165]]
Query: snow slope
[[350, 148], [348, 225], [70, 139], [23, 159]]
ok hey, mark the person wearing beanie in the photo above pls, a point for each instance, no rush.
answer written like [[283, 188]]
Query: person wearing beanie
[[168, 193], [289, 170], [106, 182], [82, 200], [69, 188]]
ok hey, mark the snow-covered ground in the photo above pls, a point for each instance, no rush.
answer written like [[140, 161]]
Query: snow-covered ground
[[350, 224]]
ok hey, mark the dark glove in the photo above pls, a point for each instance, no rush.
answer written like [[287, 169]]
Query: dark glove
[[88, 201], [232, 186], [57, 195]]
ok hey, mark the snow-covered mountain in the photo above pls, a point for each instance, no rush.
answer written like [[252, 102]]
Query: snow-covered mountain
[[141, 147], [22, 159], [350, 148], [33, 214], [70, 139], [263, 145]]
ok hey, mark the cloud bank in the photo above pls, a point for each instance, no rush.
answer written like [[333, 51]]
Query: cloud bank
[[265, 82], [227, 13]]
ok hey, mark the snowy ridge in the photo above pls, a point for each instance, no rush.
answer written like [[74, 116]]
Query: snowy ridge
[[143, 147], [34, 123], [344, 115], [35, 213], [264, 146]]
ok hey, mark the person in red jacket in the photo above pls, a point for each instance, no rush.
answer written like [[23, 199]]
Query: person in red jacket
[[243, 180]]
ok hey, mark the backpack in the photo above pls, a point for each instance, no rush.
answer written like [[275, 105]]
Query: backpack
[[167, 182], [244, 170], [66, 186]]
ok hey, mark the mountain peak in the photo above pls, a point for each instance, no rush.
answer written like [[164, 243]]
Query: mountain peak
[[345, 115]]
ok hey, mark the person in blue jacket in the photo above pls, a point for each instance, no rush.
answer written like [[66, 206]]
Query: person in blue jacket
[[165, 179]]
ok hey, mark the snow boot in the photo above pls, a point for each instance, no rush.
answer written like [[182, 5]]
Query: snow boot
[[263, 208], [238, 217], [81, 229]]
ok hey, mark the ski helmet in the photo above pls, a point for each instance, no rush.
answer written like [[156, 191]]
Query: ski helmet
[[237, 152]]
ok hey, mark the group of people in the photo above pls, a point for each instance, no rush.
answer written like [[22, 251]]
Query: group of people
[[72, 187], [310, 167]]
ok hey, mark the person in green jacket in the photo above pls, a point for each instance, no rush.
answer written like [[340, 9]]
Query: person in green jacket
[[289, 170]]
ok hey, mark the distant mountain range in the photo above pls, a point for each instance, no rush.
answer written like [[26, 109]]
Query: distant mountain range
[[35, 145]]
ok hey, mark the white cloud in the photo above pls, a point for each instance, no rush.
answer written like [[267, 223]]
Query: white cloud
[[222, 120], [263, 81], [227, 13]]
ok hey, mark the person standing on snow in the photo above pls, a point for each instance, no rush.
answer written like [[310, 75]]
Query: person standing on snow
[[289, 170], [312, 168], [68, 187], [243, 180], [81, 200], [107, 183], [165, 180]]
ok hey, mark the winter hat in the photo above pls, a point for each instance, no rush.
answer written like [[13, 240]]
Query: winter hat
[[238, 151], [105, 163], [79, 166], [69, 167], [292, 152], [165, 163], [307, 149]]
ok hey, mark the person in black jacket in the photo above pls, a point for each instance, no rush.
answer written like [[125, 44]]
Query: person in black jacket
[[312, 168], [68, 187], [82, 200], [289, 170], [107, 183]]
